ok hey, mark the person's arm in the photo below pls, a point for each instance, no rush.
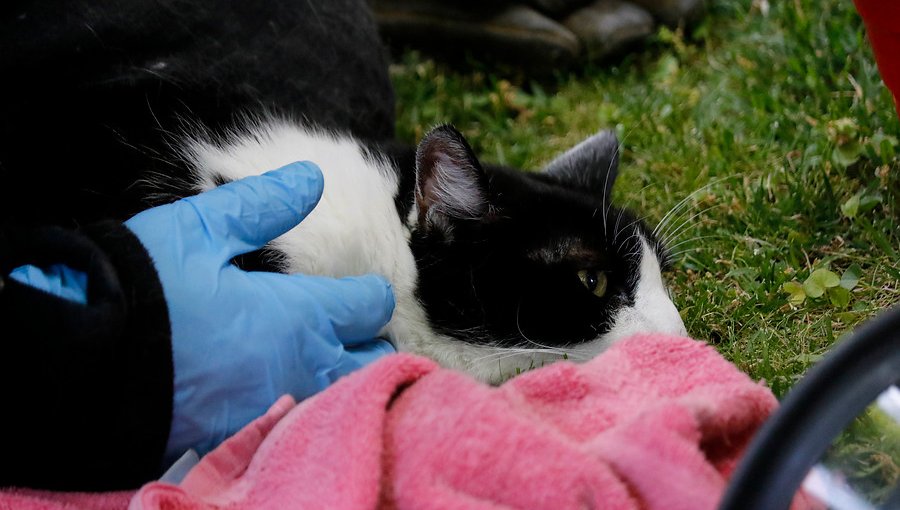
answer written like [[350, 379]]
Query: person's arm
[[241, 339], [86, 389], [88, 365]]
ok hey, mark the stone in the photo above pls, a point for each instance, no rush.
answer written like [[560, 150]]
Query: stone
[[513, 33], [673, 13], [607, 27]]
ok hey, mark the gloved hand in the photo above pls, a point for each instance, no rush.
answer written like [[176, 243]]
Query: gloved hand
[[59, 280], [242, 339]]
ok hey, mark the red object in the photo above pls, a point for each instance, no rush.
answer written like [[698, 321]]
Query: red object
[[655, 422], [882, 19]]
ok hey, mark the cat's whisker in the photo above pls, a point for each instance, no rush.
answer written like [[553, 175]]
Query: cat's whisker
[[676, 219], [638, 193], [672, 214], [575, 353], [522, 333], [509, 352], [549, 347], [636, 252], [616, 227], [678, 209], [612, 161], [605, 188], [544, 348], [634, 235], [688, 251], [673, 210], [674, 254], [668, 237], [692, 239], [681, 203], [636, 221]]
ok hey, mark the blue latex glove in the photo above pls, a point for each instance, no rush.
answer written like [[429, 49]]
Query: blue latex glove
[[242, 339], [58, 279]]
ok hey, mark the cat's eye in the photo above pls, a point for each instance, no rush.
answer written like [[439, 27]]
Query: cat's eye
[[594, 281]]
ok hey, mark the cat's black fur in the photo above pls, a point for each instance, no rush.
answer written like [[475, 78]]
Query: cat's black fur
[[92, 90]]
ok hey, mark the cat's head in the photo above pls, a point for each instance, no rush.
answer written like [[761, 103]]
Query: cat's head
[[527, 266]]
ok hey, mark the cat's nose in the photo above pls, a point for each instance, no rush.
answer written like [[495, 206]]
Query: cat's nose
[[667, 320], [667, 326], [682, 330], [658, 317]]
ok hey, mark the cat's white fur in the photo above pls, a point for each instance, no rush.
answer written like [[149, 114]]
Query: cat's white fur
[[653, 309], [355, 229]]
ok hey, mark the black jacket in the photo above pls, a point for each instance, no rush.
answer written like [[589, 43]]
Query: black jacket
[[86, 390]]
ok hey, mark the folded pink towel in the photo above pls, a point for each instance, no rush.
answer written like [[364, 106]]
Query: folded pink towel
[[656, 422]]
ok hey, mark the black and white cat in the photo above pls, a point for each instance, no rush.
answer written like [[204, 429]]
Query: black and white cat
[[494, 270]]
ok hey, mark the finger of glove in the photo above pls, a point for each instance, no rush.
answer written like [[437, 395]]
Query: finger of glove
[[244, 215], [58, 279], [357, 356], [356, 307]]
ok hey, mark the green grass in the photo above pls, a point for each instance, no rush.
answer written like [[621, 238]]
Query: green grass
[[780, 120], [780, 139]]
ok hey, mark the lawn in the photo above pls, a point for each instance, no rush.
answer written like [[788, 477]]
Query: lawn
[[766, 130], [769, 132]]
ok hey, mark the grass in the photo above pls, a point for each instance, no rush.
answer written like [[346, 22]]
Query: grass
[[770, 123], [775, 129], [868, 452]]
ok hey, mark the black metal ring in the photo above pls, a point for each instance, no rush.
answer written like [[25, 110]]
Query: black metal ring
[[814, 412]]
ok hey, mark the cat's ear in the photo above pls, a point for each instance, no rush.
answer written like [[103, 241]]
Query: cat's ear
[[450, 183], [591, 165]]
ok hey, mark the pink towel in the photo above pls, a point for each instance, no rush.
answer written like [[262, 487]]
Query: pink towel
[[656, 422]]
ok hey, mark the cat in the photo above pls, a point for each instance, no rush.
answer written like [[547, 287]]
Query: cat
[[494, 270]]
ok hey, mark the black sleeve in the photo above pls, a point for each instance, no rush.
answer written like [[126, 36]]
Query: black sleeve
[[86, 390], [99, 93]]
